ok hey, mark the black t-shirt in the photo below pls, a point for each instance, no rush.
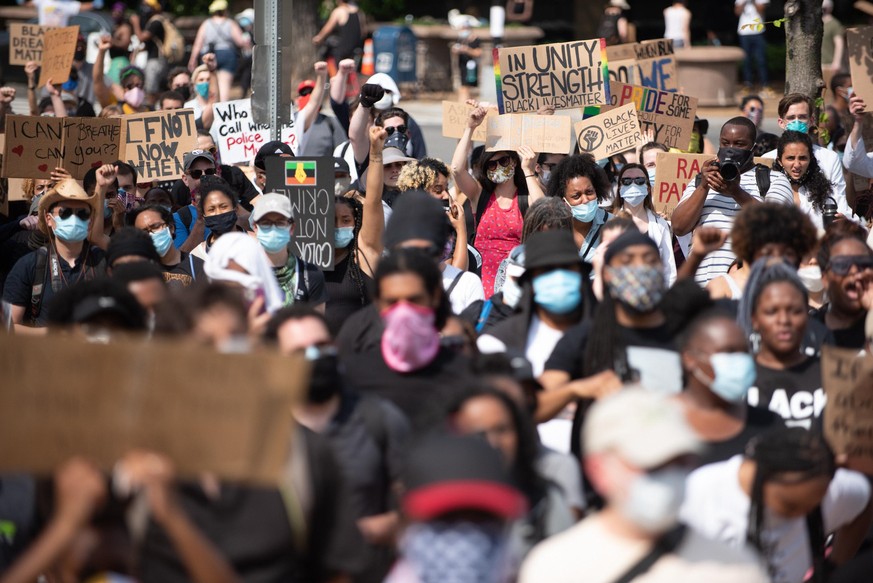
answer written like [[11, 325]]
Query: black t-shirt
[[184, 273], [794, 393], [851, 337], [345, 297], [361, 332], [758, 420]]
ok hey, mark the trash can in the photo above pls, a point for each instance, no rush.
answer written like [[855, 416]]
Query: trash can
[[395, 53]]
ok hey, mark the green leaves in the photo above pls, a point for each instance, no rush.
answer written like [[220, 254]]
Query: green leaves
[[759, 26]]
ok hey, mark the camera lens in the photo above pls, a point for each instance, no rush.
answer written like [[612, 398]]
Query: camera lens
[[729, 171]]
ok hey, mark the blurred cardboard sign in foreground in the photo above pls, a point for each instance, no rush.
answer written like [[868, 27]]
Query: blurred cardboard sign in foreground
[[848, 416], [229, 414]]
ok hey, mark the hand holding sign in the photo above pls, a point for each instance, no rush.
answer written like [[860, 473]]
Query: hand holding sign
[[80, 489]]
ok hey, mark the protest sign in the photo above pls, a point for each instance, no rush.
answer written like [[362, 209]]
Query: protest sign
[[560, 75], [308, 182], [648, 64], [848, 416], [669, 116], [545, 134], [155, 142], [89, 142], [611, 132], [768, 162], [673, 173], [455, 121], [33, 146], [236, 133], [235, 421], [860, 41], [26, 42], [57, 56]]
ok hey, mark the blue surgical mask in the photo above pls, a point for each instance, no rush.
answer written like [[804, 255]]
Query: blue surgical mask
[[797, 125], [734, 375], [70, 85], [342, 236], [162, 240], [202, 89], [651, 173], [585, 212], [558, 291], [634, 194], [274, 239], [107, 212], [71, 230]]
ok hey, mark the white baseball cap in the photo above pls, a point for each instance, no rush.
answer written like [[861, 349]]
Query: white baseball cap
[[272, 202]]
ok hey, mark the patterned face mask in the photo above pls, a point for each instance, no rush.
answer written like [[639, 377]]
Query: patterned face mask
[[501, 174], [441, 551], [637, 287]]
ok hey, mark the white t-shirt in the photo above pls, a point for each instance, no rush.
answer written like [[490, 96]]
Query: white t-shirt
[[541, 341], [749, 15], [467, 290], [593, 553], [55, 13], [676, 21], [716, 505]]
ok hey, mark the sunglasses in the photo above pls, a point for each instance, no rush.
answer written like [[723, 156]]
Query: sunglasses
[[843, 265], [66, 212], [305, 91], [401, 128], [503, 161], [196, 174], [639, 181]]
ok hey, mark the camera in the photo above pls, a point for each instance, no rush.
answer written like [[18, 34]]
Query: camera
[[728, 169]]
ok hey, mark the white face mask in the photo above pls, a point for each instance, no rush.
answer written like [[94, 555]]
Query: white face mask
[[511, 292], [384, 103], [653, 500], [810, 275]]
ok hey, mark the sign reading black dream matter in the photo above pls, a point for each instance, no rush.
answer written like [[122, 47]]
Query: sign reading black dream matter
[[308, 183]]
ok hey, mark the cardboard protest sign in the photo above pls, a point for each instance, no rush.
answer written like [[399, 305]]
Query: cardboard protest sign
[[155, 142], [26, 42], [309, 183], [560, 75], [545, 134], [673, 172], [860, 42], [670, 116], [848, 416], [234, 421], [648, 64], [455, 121], [57, 56], [34, 146], [611, 132], [89, 142], [768, 162]]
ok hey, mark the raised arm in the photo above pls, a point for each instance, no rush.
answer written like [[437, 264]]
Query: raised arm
[[7, 95], [339, 82], [197, 46], [30, 70], [463, 179], [106, 176], [370, 94], [57, 102], [528, 165], [373, 220], [457, 218], [101, 91], [313, 106]]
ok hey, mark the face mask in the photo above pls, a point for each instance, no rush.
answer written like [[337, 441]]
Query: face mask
[[734, 375], [274, 239], [840, 155], [558, 291], [810, 275], [756, 115], [70, 230], [341, 185], [651, 173], [637, 287], [410, 340], [162, 240], [654, 499], [456, 550], [326, 380], [185, 92], [585, 212], [797, 125], [202, 89], [134, 97], [107, 212], [695, 142], [618, 167], [511, 292], [79, 56], [70, 85], [501, 174], [342, 237], [220, 224], [544, 177], [384, 103], [739, 157], [634, 194]]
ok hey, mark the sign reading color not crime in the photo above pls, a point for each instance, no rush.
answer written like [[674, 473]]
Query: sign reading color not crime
[[560, 75]]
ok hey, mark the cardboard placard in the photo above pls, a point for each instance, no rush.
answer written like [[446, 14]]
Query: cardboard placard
[[673, 172], [34, 146], [647, 64], [848, 416], [90, 143], [611, 132], [545, 134], [670, 116], [309, 183], [860, 43], [455, 121], [154, 143], [57, 56], [234, 421], [560, 75], [26, 42], [768, 162]]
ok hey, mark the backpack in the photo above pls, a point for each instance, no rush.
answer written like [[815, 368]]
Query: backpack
[[173, 46]]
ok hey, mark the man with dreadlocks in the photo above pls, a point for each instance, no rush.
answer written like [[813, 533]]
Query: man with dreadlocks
[[784, 497]]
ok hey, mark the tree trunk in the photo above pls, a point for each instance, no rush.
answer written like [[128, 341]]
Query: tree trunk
[[303, 52], [803, 33], [587, 15]]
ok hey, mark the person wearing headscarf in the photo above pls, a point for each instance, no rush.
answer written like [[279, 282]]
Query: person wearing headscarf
[[238, 259]]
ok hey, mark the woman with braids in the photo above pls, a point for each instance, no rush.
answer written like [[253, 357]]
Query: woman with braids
[[811, 187], [784, 497], [357, 243]]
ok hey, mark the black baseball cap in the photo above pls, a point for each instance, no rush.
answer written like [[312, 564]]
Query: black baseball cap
[[269, 149]]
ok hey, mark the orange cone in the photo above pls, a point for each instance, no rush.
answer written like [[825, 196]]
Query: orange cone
[[367, 64]]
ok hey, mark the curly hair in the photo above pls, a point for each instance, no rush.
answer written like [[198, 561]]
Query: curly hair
[[421, 174], [546, 214], [575, 166], [818, 187], [760, 224]]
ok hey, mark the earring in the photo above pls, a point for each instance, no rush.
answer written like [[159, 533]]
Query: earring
[[755, 341]]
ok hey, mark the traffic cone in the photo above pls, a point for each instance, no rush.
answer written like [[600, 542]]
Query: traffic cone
[[367, 64]]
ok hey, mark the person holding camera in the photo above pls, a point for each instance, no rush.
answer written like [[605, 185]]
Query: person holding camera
[[723, 187]]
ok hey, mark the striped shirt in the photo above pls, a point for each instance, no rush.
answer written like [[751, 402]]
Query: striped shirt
[[720, 210]]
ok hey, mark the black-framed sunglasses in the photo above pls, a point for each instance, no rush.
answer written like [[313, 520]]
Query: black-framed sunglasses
[[401, 128], [639, 181], [66, 212], [503, 161], [305, 91], [842, 265], [196, 174]]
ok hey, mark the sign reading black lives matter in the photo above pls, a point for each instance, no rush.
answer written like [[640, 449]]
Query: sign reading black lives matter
[[561, 75], [308, 182]]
